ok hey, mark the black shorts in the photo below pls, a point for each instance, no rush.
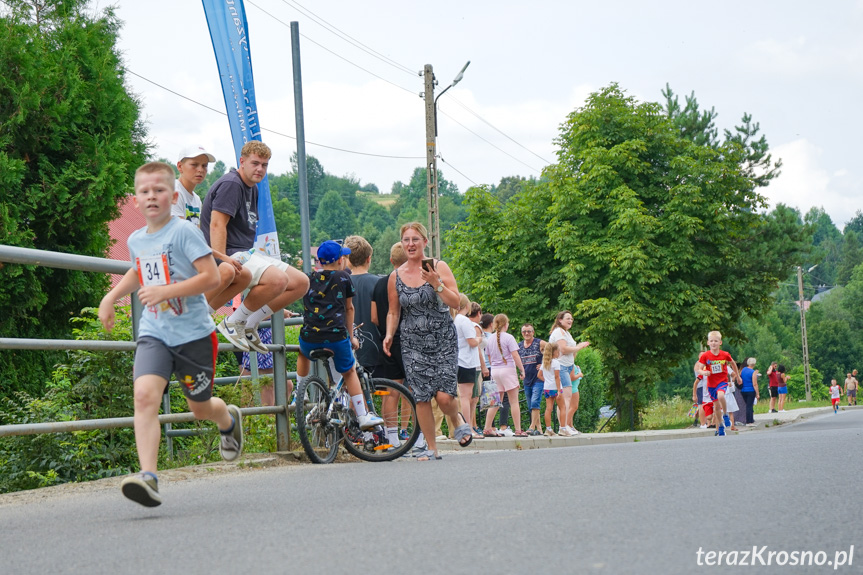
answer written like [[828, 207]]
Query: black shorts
[[194, 364], [774, 391], [467, 375], [391, 366]]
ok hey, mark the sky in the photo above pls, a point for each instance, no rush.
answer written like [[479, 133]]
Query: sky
[[796, 67]]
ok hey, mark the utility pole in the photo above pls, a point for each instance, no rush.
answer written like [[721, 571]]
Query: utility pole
[[431, 152], [431, 162], [803, 329]]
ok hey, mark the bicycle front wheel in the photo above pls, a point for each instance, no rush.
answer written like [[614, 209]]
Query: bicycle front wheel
[[320, 438], [396, 405]]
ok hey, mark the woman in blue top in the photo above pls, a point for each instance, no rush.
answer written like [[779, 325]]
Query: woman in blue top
[[749, 389]]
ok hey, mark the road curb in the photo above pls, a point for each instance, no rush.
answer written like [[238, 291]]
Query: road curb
[[763, 421]]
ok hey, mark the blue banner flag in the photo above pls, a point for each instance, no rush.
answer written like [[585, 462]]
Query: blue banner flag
[[229, 32]]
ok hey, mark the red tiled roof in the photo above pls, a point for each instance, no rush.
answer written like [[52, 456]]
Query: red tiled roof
[[130, 219]]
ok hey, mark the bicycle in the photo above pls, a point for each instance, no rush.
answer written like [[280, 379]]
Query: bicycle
[[324, 416]]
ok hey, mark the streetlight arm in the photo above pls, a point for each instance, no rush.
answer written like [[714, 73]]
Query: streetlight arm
[[460, 75]]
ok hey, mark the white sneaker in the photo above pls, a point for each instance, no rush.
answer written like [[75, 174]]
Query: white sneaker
[[573, 431], [369, 421], [506, 432], [549, 432], [703, 426], [233, 332], [564, 431], [254, 341]]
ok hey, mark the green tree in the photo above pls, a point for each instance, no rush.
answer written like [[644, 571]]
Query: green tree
[[70, 140], [692, 123], [315, 175], [288, 226], [855, 224], [416, 190], [852, 300], [381, 251], [649, 238], [831, 334], [510, 186], [851, 256], [217, 171], [698, 126], [373, 221], [334, 219]]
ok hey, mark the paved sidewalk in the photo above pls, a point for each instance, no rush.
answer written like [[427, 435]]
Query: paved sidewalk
[[762, 421]]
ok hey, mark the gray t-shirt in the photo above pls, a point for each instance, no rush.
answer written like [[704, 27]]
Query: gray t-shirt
[[231, 196], [178, 320]]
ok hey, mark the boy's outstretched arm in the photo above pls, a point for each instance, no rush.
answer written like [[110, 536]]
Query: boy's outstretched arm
[[127, 285]]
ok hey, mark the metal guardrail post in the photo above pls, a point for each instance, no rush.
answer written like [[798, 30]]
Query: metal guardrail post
[[169, 440], [280, 365]]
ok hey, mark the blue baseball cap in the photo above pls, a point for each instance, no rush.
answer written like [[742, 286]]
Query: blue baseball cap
[[330, 251]]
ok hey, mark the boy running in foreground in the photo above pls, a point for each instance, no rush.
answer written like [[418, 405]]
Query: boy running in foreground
[[172, 267], [714, 363]]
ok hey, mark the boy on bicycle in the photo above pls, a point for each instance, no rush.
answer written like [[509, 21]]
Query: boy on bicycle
[[328, 319]]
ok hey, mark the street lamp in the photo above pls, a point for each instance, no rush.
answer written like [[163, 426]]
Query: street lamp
[[431, 153], [803, 331]]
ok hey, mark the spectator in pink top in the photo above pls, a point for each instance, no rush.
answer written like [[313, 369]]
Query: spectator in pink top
[[503, 356]]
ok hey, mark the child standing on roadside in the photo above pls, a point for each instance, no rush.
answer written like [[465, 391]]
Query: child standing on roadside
[[835, 395], [713, 363], [172, 266], [551, 389]]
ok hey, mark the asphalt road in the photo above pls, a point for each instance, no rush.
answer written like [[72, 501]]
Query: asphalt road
[[646, 507]]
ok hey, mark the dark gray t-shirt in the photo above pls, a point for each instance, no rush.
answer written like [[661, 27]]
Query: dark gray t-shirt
[[231, 196], [368, 355]]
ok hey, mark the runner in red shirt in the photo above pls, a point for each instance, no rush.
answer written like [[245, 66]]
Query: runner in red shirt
[[714, 364]]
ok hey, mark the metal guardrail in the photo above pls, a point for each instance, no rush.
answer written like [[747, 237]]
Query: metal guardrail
[[27, 256]]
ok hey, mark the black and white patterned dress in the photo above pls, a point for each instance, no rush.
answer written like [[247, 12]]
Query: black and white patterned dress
[[429, 342]]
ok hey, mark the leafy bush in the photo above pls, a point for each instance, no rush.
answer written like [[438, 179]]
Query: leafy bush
[[797, 384], [592, 389]]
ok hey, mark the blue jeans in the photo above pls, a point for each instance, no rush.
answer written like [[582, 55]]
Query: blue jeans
[[533, 393], [565, 372]]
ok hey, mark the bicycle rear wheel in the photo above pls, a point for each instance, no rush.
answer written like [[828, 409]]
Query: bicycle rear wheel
[[396, 405], [320, 438]]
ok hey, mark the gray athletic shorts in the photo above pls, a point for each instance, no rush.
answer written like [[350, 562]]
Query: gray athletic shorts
[[194, 364]]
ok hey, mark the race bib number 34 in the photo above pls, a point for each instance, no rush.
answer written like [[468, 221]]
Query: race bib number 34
[[153, 270]]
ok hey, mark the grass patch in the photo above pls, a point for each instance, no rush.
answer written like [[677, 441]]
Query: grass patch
[[669, 413], [764, 403]]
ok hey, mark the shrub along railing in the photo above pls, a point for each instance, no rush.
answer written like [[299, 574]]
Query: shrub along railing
[[27, 256]]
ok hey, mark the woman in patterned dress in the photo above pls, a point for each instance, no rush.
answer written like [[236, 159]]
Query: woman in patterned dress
[[420, 298]]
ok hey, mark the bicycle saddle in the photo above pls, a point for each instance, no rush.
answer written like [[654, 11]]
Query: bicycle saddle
[[322, 354]]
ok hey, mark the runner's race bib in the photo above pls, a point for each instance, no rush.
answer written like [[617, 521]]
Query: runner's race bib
[[154, 271]]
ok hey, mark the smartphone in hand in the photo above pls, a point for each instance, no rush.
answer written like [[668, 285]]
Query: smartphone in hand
[[428, 264]]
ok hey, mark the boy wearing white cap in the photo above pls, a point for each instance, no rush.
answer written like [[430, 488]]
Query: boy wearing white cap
[[192, 164]]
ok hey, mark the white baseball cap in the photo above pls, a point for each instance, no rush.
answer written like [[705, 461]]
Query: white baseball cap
[[194, 152]]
